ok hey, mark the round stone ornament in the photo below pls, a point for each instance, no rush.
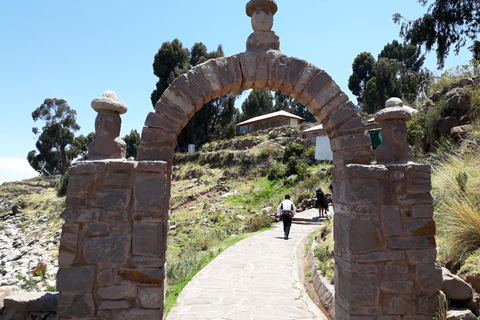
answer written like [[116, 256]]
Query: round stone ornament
[[252, 5], [110, 102]]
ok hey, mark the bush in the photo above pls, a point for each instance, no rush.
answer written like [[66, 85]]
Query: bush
[[276, 172], [63, 185], [293, 150]]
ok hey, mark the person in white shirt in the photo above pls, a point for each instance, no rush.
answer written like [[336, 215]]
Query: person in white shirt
[[286, 210]]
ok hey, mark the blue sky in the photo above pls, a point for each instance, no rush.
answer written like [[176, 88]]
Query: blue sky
[[75, 50]]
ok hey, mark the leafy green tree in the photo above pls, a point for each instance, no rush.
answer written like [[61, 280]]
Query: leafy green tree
[[398, 72], [55, 139], [258, 102], [447, 23], [362, 72], [216, 119], [169, 62], [80, 147], [133, 141]]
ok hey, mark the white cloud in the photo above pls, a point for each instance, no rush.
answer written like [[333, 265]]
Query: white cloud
[[15, 169]]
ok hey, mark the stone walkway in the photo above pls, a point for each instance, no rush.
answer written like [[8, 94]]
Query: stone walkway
[[255, 279]]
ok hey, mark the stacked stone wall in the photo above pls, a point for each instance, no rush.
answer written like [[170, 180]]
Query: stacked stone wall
[[113, 245], [384, 243]]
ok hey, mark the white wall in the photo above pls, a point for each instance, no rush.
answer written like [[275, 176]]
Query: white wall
[[322, 149]]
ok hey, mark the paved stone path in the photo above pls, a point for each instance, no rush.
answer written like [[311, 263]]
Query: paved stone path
[[255, 279]]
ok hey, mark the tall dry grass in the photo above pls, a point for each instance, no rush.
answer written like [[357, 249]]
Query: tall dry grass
[[456, 185]]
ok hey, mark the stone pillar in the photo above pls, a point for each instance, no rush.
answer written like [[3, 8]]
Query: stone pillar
[[113, 246], [384, 234]]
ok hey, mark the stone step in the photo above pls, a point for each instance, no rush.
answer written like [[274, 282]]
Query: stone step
[[20, 304]]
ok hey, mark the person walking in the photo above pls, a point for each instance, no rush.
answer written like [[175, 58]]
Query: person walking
[[286, 210], [321, 203]]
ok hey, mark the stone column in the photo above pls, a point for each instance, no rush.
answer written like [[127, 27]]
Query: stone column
[[384, 233]]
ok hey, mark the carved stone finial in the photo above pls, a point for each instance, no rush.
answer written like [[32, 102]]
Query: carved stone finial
[[394, 146], [107, 143], [262, 38]]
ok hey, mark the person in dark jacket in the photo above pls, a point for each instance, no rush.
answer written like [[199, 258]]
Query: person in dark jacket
[[321, 203], [286, 210]]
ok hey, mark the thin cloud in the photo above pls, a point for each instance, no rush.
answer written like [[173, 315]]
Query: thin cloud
[[15, 169]]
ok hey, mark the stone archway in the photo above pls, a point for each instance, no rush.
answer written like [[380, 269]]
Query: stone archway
[[113, 245]]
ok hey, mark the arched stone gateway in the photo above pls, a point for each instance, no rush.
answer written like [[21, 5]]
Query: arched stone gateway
[[113, 246]]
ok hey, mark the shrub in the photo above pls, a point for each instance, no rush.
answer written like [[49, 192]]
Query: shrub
[[63, 185], [276, 172], [293, 150], [292, 166]]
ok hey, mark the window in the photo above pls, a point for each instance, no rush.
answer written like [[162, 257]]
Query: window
[[285, 122], [243, 129], [315, 134], [304, 136]]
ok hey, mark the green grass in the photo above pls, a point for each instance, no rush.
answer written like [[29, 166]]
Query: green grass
[[174, 289]]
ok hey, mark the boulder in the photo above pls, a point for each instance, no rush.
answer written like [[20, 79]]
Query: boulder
[[460, 314], [454, 287]]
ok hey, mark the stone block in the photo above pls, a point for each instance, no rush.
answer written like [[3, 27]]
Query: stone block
[[111, 197], [177, 100], [114, 215], [188, 90], [230, 73], [397, 175], [362, 171], [148, 262], [360, 191], [429, 278], [68, 244], [295, 71], [141, 276], [197, 78], [149, 239], [353, 126], [396, 304], [307, 77], [396, 272], [105, 276], [422, 256], [363, 236], [75, 201], [143, 216], [150, 297], [362, 155], [22, 302], [420, 211], [392, 255], [79, 216], [113, 249], [75, 278], [117, 292], [358, 310], [391, 221], [421, 227], [248, 64], [151, 151], [340, 116], [360, 289], [156, 120], [159, 135], [262, 71], [412, 242], [97, 228], [79, 184], [320, 85], [87, 167], [175, 114], [354, 267], [120, 165], [426, 304], [153, 166], [397, 286], [138, 314], [327, 94], [114, 305], [75, 305], [115, 179], [362, 210], [151, 192], [349, 142], [212, 77], [322, 112]]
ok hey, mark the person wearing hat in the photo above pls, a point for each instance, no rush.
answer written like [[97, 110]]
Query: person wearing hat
[[286, 210]]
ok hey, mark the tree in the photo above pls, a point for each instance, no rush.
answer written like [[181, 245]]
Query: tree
[[362, 72], [447, 23], [56, 138], [133, 141], [216, 119], [80, 147], [398, 72], [258, 102], [287, 103]]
